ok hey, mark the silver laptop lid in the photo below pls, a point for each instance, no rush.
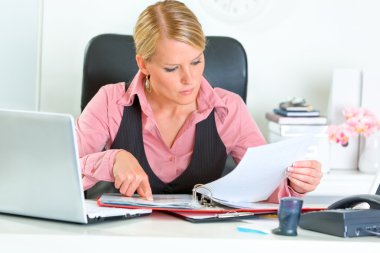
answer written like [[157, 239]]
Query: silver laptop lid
[[39, 167]]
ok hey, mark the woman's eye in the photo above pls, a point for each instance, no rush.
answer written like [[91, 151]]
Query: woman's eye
[[170, 69], [196, 62]]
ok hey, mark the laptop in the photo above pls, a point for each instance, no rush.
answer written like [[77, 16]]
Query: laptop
[[39, 170]]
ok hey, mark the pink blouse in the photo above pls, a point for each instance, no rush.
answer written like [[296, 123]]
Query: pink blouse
[[99, 123]]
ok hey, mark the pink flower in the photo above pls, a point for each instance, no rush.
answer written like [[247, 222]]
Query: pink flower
[[358, 121], [339, 134]]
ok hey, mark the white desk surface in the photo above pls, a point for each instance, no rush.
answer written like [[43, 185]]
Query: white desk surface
[[160, 232]]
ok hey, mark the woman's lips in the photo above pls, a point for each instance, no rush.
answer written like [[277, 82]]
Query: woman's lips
[[187, 92]]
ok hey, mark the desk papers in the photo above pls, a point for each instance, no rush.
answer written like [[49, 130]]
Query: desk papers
[[160, 201], [258, 174]]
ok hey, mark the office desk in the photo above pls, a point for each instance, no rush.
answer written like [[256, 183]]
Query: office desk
[[161, 232], [164, 233]]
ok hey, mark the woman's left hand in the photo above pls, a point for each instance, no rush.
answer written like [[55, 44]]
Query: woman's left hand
[[304, 176]]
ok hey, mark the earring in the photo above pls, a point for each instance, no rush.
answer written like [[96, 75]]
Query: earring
[[148, 86]]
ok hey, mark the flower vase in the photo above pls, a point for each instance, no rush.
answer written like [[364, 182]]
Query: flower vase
[[369, 160]]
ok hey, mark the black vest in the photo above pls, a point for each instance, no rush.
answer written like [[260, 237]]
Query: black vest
[[206, 165]]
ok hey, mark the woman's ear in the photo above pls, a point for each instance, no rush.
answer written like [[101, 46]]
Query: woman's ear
[[142, 65]]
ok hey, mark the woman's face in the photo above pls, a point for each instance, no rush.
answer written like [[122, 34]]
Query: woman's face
[[175, 71]]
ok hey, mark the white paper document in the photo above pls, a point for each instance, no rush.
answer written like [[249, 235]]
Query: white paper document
[[174, 201], [258, 174]]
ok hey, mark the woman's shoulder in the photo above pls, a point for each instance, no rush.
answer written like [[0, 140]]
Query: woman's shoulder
[[229, 98], [113, 88], [112, 91]]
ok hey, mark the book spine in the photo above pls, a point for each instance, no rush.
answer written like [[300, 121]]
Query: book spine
[[296, 129], [303, 121], [296, 114], [296, 120], [297, 109]]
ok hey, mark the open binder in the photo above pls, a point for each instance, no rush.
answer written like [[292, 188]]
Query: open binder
[[182, 207], [195, 203], [195, 207], [242, 191]]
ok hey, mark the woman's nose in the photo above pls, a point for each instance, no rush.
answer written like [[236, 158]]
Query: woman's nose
[[186, 76]]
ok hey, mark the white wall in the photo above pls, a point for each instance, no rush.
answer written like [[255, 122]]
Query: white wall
[[293, 46], [19, 49]]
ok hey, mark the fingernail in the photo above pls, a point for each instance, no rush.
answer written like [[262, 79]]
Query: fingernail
[[290, 169], [149, 197]]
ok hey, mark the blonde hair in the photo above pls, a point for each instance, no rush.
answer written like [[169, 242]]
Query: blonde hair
[[167, 19]]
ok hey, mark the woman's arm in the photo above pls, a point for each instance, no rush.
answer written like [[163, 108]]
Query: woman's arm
[[94, 140], [96, 129]]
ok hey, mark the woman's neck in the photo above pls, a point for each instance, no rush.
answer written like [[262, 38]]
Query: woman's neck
[[161, 105]]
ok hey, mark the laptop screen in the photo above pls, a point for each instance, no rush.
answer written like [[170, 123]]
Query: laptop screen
[[39, 168]]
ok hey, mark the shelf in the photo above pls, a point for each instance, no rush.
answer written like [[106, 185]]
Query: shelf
[[339, 182]]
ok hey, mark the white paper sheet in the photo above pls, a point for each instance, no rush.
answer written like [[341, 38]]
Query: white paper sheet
[[180, 201], [259, 173]]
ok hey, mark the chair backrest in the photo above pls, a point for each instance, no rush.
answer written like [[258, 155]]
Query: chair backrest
[[110, 58]]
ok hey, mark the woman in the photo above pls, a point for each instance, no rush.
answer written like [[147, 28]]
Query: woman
[[169, 129]]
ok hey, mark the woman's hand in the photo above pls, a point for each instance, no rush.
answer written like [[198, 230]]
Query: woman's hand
[[304, 176], [130, 176]]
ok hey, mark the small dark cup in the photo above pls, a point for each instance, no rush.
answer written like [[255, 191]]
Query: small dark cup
[[288, 215]]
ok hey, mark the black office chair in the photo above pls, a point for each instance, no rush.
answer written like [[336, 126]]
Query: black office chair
[[110, 58]]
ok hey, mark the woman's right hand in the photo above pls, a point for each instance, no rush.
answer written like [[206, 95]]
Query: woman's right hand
[[130, 176]]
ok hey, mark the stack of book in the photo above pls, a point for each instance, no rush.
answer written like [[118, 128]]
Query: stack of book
[[289, 120], [291, 114]]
